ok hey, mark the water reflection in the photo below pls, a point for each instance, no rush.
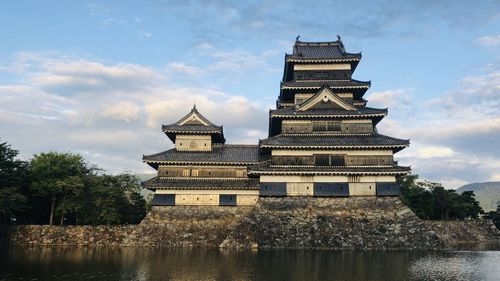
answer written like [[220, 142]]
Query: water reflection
[[21, 263]]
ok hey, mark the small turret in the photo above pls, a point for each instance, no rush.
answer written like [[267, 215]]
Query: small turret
[[194, 132]]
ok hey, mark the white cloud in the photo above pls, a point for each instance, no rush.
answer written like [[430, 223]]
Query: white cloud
[[251, 136], [237, 60], [205, 46], [111, 21], [453, 183], [434, 152], [223, 65], [454, 137], [109, 137], [145, 34], [447, 129], [111, 113], [97, 10], [491, 40], [400, 100], [123, 110], [183, 68]]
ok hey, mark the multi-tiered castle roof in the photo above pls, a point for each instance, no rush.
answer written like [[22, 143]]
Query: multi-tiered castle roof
[[323, 140]]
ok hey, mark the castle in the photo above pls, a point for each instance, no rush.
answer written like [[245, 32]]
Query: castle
[[323, 141]]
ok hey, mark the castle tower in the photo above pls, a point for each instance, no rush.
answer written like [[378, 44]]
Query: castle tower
[[323, 139], [202, 169]]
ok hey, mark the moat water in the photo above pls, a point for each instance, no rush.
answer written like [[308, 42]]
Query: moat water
[[57, 263]]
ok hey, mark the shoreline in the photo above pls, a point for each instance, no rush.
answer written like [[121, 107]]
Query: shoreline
[[361, 223]]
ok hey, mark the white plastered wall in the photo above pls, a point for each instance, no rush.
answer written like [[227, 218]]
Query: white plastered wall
[[304, 185], [284, 152], [193, 143], [362, 189], [211, 197]]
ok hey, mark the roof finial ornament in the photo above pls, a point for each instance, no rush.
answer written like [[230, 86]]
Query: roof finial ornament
[[338, 38], [194, 106], [298, 37]]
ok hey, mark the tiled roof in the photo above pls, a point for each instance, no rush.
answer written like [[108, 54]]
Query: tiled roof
[[329, 112], [320, 83], [266, 168], [321, 50], [197, 113], [191, 128], [192, 183], [341, 141], [221, 153], [194, 127]]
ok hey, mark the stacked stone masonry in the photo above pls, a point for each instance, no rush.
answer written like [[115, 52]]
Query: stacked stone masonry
[[288, 222]]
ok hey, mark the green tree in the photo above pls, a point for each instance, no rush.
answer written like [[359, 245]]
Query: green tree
[[58, 177], [13, 178], [430, 200], [117, 200], [495, 216], [443, 200], [137, 209], [470, 205], [416, 197]]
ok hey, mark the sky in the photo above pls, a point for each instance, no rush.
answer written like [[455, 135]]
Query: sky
[[100, 77]]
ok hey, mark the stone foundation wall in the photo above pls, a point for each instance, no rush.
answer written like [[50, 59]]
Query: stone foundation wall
[[288, 222], [180, 226], [66, 235], [473, 231], [336, 223]]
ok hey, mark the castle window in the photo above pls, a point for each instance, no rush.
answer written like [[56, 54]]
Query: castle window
[[321, 75], [163, 200], [329, 160], [337, 160], [330, 189], [227, 200], [326, 126], [322, 160]]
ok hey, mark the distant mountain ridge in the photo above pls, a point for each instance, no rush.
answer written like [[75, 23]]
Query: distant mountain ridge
[[487, 193]]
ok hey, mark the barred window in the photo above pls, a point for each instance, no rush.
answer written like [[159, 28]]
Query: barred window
[[329, 160], [326, 126]]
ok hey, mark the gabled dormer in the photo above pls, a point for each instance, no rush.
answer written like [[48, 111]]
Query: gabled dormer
[[194, 132], [325, 98]]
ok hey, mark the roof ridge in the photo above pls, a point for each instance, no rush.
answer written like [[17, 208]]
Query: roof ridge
[[338, 81], [150, 155], [202, 179], [386, 136], [237, 145], [318, 43], [198, 114]]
